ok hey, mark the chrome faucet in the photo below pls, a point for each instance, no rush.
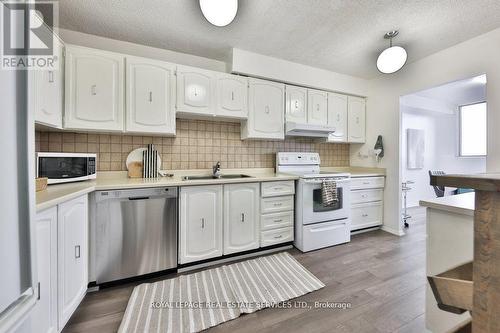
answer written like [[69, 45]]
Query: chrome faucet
[[216, 170]]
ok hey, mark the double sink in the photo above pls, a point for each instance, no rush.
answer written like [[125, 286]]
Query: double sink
[[204, 177]]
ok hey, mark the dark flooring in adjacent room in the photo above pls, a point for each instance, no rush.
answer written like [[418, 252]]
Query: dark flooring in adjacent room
[[381, 275]]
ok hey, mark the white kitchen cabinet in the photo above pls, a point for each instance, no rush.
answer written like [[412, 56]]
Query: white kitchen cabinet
[[93, 89], [296, 104], [317, 107], [266, 111], [337, 117], [45, 311], [241, 217], [356, 111], [72, 228], [150, 96], [200, 232], [46, 92], [195, 92], [232, 96]]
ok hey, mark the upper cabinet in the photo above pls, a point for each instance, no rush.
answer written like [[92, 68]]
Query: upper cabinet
[[317, 111], [266, 111], [46, 92], [232, 96], [296, 104], [337, 117], [150, 96], [195, 91], [93, 89], [356, 110]]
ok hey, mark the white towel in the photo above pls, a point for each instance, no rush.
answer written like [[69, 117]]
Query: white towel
[[329, 192]]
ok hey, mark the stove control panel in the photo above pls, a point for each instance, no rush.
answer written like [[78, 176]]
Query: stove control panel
[[290, 158]]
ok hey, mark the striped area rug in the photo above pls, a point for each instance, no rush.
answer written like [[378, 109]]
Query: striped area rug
[[195, 302]]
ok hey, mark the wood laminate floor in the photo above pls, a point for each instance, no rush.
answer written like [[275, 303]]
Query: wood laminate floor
[[382, 276]]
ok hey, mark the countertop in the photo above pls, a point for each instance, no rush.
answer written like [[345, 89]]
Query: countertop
[[459, 204], [118, 180]]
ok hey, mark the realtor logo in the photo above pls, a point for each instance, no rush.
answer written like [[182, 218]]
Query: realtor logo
[[28, 40]]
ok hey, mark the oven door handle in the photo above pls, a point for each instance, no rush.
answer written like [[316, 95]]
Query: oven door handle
[[342, 181]]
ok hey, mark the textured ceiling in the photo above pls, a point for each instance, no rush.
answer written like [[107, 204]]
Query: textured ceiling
[[339, 35]]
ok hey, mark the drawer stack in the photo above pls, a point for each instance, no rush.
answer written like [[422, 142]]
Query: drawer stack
[[367, 206], [277, 212]]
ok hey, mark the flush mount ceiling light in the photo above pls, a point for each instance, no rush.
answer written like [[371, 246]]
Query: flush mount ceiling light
[[393, 58], [219, 12]]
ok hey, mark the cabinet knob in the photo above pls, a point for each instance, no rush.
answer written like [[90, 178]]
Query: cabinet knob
[[195, 92], [242, 217], [278, 237], [150, 96], [267, 109], [364, 215], [232, 95], [357, 120], [202, 223], [278, 221], [278, 204], [338, 117], [51, 76], [296, 104], [317, 107], [93, 90]]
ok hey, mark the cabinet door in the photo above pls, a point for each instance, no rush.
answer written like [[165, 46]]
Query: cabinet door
[[296, 104], [356, 119], [46, 93], [45, 312], [200, 223], [241, 217], [150, 96], [72, 225], [94, 89], [195, 91], [266, 111], [317, 111], [232, 96], [337, 117]]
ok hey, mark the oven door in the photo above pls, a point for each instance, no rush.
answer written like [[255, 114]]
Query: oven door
[[315, 211]]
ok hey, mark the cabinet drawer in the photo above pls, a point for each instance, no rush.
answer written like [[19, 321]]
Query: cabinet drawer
[[367, 182], [366, 215], [361, 196], [276, 220], [273, 189], [276, 236], [276, 204], [317, 236]]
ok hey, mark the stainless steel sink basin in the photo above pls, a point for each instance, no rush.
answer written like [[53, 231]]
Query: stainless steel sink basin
[[204, 177]]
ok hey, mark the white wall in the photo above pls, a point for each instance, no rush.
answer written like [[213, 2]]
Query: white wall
[[471, 58], [441, 153], [79, 38]]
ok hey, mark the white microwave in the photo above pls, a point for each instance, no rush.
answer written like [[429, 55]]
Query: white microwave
[[66, 167]]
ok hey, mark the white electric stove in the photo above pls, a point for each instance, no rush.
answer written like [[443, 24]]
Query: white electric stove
[[316, 225]]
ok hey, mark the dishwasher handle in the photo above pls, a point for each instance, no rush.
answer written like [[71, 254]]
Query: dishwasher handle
[[138, 198]]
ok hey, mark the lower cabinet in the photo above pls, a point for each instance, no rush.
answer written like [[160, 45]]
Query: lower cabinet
[[200, 230], [72, 255], [241, 217], [45, 312], [367, 205], [62, 263]]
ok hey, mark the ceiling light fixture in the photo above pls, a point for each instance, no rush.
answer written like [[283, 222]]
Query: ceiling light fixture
[[393, 58], [219, 12]]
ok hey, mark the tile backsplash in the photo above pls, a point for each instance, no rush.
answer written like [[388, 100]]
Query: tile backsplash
[[197, 145]]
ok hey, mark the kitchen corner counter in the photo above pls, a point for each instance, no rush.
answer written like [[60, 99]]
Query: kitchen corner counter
[[459, 204], [118, 180]]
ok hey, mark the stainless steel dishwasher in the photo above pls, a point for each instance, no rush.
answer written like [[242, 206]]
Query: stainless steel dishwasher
[[136, 232]]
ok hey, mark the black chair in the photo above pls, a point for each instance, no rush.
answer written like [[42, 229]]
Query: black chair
[[438, 189]]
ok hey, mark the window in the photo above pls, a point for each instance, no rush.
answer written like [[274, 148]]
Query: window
[[473, 129]]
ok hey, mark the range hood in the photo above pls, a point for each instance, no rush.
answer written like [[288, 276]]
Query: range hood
[[317, 131]]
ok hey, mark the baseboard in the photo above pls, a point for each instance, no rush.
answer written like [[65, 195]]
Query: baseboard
[[392, 231], [232, 258]]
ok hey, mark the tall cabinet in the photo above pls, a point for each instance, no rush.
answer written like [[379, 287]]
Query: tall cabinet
[[93, 89], [150, 96], [266, 111], [337, 117], [356, 110]]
